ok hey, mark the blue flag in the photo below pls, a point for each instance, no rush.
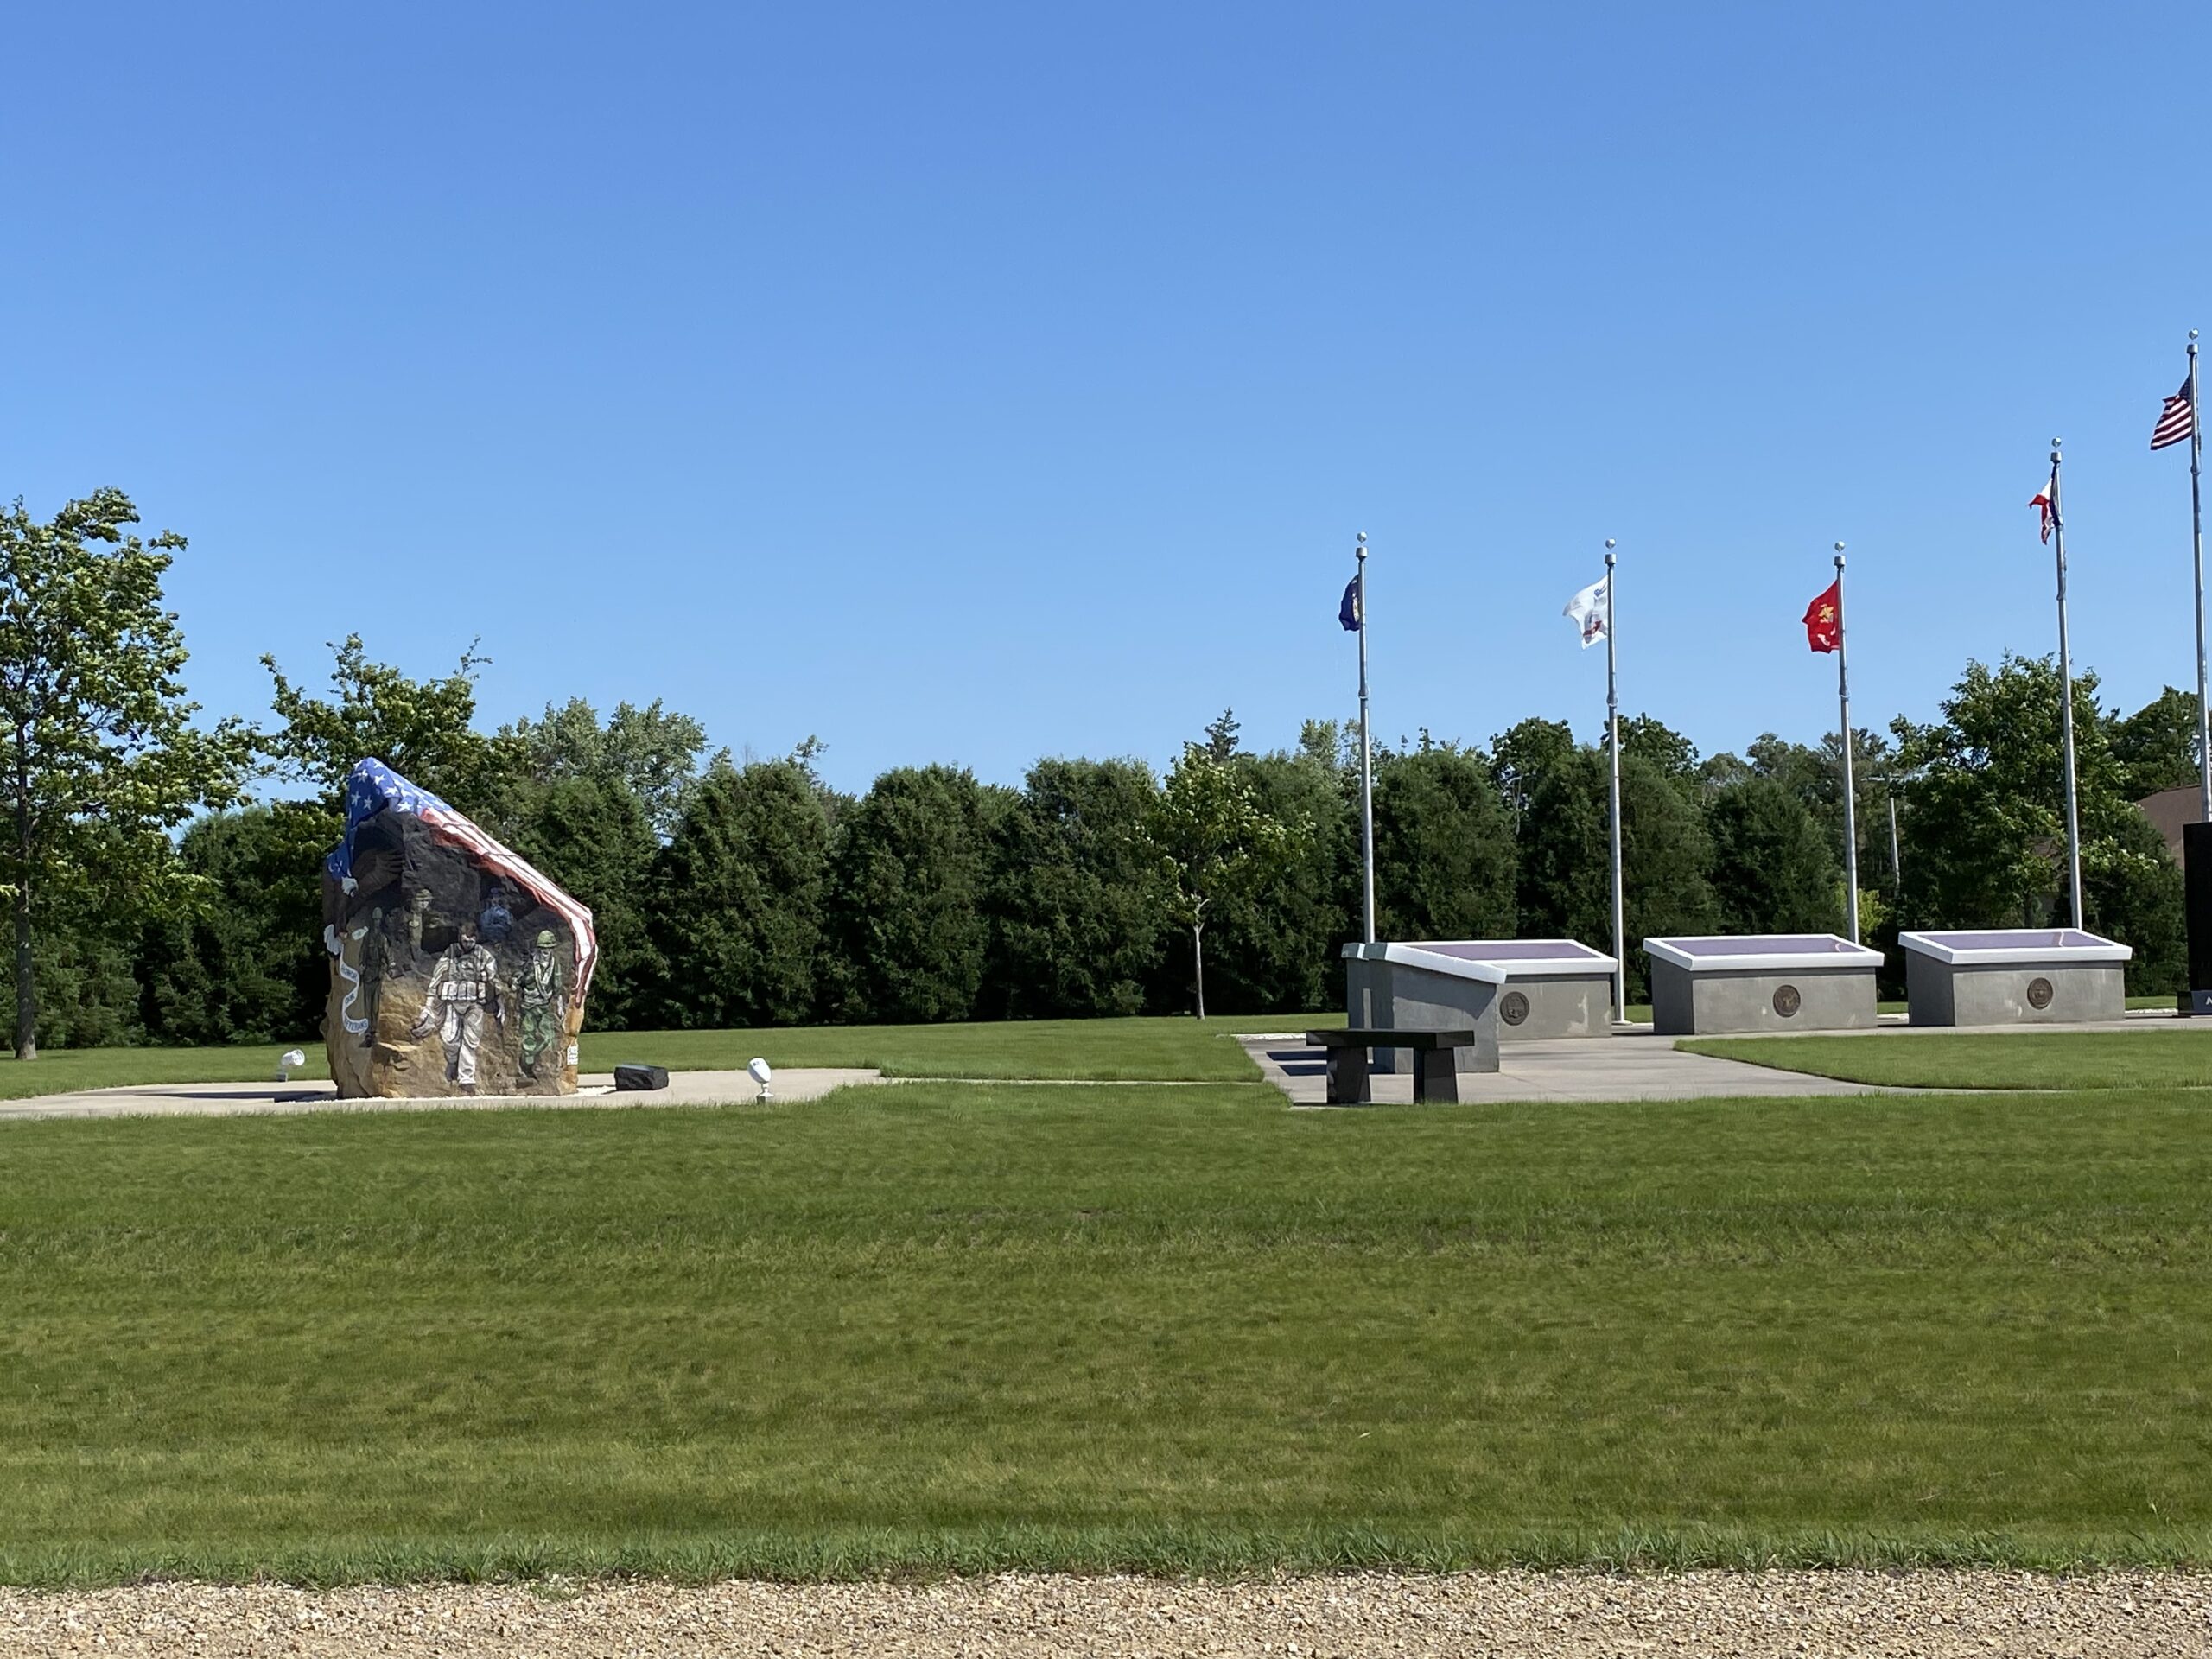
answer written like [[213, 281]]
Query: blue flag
[[1347, 613]]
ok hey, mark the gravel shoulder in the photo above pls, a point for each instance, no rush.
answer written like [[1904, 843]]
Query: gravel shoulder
[[1464, 1615]]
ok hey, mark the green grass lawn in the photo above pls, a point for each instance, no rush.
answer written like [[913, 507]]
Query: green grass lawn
[[2160, 1057], [932, 1326], [1105, 1051], [64, 1070]]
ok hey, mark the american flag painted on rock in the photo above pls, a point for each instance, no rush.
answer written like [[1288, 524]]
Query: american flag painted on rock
[[372, 787]]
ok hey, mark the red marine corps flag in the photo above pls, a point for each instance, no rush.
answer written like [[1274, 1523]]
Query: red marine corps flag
[[2045, 500], [1823, 619]]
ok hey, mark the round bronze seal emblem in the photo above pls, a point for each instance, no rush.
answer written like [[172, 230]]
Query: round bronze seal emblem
[[2039, 993], [1786, 1000], [1513, 1007]]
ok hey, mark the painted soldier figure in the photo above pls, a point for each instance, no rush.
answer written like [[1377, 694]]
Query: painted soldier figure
[[543, 994], [376, 962], [463, 984]]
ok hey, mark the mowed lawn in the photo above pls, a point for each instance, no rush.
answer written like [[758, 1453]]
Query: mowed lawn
[[1153, 1049], [64, 1070], [933, 1326], [1144, 1050], [2158, 1057]]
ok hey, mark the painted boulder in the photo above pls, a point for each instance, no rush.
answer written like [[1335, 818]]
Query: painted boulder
[[455, 968]]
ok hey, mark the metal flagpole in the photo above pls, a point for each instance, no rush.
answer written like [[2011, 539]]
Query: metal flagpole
[[1850, 794], [2066, 699], [2196, 532], [1897, 864], [1613, 749], [1366, 762]]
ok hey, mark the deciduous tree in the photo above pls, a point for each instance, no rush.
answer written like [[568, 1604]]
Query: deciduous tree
[[654, 753], [102, 757], [1211, 841], [423, 729]]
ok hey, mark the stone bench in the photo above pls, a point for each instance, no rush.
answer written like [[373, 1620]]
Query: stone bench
[[1436, 1071]]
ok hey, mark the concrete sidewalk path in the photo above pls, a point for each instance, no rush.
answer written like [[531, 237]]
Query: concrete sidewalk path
[[1626, 1066], [263, 1099]]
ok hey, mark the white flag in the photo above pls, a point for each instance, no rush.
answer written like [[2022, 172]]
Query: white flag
[[1586, 610]]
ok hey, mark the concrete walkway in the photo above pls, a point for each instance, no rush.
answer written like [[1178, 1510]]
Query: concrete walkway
[[262, 1099], [1631, 1065]]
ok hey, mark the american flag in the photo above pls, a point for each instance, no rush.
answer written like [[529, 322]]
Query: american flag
[[372, 787], [2175, 421], [2047, 499]]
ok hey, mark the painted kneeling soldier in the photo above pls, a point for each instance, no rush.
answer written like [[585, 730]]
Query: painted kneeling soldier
[[463, 984], [542, 990]]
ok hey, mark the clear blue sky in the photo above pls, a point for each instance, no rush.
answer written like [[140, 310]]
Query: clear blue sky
[[980, 383]]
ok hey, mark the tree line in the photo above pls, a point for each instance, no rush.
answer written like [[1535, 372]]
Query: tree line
[[159, 899]]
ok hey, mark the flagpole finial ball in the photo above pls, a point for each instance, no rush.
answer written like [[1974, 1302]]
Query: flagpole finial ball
[[1839, 547], [1609, 541], [1361, 536]]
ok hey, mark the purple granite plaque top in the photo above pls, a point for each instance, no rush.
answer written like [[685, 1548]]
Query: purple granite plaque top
[[1766, 945], [1512, 950], [2021, 938]]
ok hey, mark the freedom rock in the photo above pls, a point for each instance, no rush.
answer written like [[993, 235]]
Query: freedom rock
[[455, 968]]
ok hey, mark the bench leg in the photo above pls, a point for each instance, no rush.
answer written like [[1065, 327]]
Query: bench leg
[[1348, 1084], [1436, 1074]]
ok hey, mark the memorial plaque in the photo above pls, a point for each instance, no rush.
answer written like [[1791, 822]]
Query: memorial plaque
[[1787, 1001], [1513, 1007], [2039, 993]]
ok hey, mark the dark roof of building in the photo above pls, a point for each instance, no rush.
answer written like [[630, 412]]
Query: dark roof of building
[[2168, 810]]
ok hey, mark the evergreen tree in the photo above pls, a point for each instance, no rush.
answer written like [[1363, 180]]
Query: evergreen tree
[[248, 966], [1444, 849], [1773, 870], [1076, 909], [1278, 924], [907, 887], [1566, 886], [590, 835], [737, 900]]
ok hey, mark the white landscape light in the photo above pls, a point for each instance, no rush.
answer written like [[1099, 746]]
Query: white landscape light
[[760, 1073], [291, 1059]]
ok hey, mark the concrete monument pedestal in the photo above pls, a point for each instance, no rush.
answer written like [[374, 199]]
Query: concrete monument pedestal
[[2014, 976], [1416, 988], [1761, 981], [1553, 987]]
